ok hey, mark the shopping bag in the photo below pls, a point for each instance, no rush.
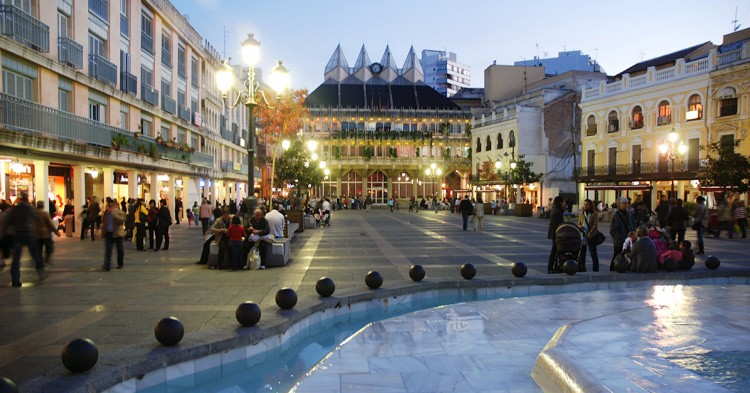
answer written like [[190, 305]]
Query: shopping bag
[[253, 259]]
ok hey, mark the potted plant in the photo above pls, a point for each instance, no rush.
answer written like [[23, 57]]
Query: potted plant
[[119, 141], [153, 151], [159, 139]]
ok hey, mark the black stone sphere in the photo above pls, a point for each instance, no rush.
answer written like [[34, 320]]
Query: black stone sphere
[[570, 267], [373, 280], [80, 355], [416, 272], [468, 271], [7, 386], [622, 265], [325, 286], [286, 298], [519, 269], [169, 331], [671, 265], [248, 314], [712, 262]]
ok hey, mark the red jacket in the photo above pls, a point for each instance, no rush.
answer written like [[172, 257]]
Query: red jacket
[[235, 232]]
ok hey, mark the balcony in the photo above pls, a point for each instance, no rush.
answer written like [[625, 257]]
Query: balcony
[[99, 8], [183, 113], [640, 172], [124, 30], [168, 104], [663, 120], [375, 161], [147, 43], [149, 95], [202, 160], [70, 52], [234, 167], [102, 69], [24, 28], [128, 83]]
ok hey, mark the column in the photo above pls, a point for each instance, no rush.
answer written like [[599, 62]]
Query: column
[[171, 196], [681, 189], [364, 187], [390, 187], [41, 181], [79, 187], [155, 187], [415, 186], [109, 184], [132, 184], [338, 187]]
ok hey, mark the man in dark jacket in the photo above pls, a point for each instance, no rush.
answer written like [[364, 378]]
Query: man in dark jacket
[[643, 254], [466, 209], [22, 222], [662, 211], [259, 231], [677, 221], [163, 221], [622, 223]]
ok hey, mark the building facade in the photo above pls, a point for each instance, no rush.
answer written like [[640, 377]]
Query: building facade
[[572, 60], [538, 125], [379, 128], [444, 73], [111, 98], [626, 125]]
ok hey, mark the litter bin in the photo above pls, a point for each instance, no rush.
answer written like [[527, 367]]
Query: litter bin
[[69, 225]]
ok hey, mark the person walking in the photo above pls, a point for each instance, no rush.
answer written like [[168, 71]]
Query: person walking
[[700, 221], [177, 210], [662, 211], [725, 220], [478, 214], [677, 221], [466, 209], [368, 203], [588, 221], [163, 221], [69, 217], [196, 212], [21, 222], [556, 219], [44, 230], [141, 219], [204, 215], [390, 204], [113, 231], [622, 223], [740, 217]]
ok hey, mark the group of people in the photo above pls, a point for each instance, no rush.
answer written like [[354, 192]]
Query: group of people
[[645, 246]]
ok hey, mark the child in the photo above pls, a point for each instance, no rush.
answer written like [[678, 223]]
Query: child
[[672, 252], [235, 232], [190, 217], [629, 241], [688, 257]]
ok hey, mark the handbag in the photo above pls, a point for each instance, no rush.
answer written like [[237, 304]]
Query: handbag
[[597, 239]]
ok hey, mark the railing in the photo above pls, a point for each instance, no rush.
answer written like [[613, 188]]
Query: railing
[[697, 66], [183, 113], [128, 83], [124, 29], [69, 52], [385, 161], [642, 171], [24, 28], [663, 120], [202, 160], [612, 88], [99, 8], [665, 74], [149, 95], [102, 69], [168, 104], [729, 57], [638, 81], [147, 43]]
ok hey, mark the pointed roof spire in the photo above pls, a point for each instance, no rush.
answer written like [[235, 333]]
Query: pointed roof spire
[[337, 67], [412, 69], [363, 59], [387, 60]]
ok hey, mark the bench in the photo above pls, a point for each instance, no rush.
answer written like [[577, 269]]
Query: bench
[[310, 222], [278, 254]]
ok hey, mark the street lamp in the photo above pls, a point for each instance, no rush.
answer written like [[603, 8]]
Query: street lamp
[[433, 171], [670, 149], [278, 80]]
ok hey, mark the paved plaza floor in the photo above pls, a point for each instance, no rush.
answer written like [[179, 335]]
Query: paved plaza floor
[[118, 309]]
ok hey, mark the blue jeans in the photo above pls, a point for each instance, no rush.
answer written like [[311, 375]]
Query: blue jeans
[[594, 257], [30, 241], [110, 241], [699, 232]]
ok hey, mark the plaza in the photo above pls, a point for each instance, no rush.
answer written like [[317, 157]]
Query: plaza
[[118, 309]]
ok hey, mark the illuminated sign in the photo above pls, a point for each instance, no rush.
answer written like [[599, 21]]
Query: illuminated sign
[[19, 169]]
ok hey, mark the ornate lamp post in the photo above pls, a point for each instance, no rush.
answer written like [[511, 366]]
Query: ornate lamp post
[[433, 171], [510, 165], [669, 149], [278, 80]]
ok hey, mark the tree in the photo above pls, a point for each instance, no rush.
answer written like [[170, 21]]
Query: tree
[[283, 117], [295, 167], [727, 169], [522, 174]]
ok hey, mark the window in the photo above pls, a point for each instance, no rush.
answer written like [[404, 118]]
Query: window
[[17, 85], [166, 48], [479, 145], [665, 114], [726, 143], [147, 77], [591, 126], [181, 98], [63, 25], [124, 17], [124, 118], [181, 58], [147, 32], [499, 140], [613, 123], [695, 108], [96, 111], [64, 95], [612, 164], [636, 159], [23, 5], [147, 126], [166, 88], [165, 132], [590, 162], [488, 143], [728, 102], [194, 72], [637, 118], [512, 139]]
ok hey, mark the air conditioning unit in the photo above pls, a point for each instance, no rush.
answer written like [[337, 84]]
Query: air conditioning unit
[[663, 120], [612, 128]]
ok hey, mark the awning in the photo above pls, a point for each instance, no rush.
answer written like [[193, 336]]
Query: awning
[[713, 189], [642, 187]]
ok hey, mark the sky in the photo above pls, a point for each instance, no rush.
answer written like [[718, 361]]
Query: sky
[[304, 33]]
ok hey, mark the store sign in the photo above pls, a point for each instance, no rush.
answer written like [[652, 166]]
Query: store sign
[[197, 119], [19, 169]]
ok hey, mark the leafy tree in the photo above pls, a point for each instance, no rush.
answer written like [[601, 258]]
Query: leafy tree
[[295, 167], [283, 117], [727, 169], [523, 173]]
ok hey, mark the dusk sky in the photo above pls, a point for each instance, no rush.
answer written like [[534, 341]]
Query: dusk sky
[[304, 33]]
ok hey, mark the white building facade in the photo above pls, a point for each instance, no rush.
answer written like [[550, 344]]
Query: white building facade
[[444, 73]]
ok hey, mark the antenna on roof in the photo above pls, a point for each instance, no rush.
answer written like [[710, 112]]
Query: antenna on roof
[[736, 25], [641, 54], [537, 50]]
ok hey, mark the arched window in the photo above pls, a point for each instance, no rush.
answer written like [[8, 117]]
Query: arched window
[[479, 145], [665, 114], [613, 123], [488, 144], [636, 121], [728, 102], [499, 140], [512, 139], [591, 126], [695, 108]]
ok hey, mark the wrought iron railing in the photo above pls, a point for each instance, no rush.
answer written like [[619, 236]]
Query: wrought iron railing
[[128, 83], [149, 95], [24, 28], [202, 160], [642, 171], [102, 69], [70, 52], [168, 104]]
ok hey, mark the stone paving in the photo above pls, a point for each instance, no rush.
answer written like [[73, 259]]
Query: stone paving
[[118, 309]]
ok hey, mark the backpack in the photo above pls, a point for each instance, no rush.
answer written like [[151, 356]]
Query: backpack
[[142, 217]]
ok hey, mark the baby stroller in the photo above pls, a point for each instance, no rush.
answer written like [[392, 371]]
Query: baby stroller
[[322, 218], [569, 243]]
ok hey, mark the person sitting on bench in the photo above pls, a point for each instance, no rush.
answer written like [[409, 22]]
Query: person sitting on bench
[[259, 231]]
